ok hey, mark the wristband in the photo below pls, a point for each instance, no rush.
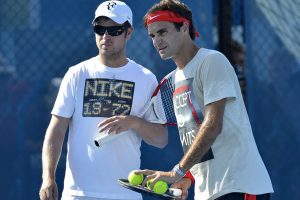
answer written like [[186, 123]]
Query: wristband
[[178, 171], [189, 176]]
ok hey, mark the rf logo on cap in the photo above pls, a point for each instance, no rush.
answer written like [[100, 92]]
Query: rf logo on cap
[[117, 11], [110, 5]]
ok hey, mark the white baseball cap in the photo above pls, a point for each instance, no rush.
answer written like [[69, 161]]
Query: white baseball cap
[[117, 11]]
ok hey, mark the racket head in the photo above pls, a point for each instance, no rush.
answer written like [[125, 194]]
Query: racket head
[[162, 101], [143, 190]]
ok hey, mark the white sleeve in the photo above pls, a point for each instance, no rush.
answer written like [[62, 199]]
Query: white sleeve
[[65, 101], [218, 78], [150, 114]]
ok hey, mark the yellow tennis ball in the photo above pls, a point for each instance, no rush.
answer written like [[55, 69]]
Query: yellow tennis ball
[[148, 183], [135, 179], [160, 187]]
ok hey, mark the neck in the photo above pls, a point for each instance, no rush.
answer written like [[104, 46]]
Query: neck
[[113, 61], [185, 54]]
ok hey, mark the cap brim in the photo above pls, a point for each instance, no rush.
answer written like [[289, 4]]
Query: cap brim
[[117, 19]]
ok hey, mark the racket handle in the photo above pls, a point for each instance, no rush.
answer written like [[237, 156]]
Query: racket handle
[[175, 191], [100, 141]]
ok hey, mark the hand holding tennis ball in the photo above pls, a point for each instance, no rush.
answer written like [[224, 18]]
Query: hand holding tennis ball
[[135, 179], [160, 187]]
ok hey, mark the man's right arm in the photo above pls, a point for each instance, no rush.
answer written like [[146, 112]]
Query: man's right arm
[[52, 148]]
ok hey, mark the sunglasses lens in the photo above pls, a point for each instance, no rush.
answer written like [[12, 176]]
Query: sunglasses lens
[[99, 30], [111, 30]]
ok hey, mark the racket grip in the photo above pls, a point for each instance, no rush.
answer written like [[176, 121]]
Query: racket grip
[[100, 141], [175, 191]]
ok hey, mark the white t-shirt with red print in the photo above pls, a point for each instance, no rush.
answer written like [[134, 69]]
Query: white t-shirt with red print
[[233, 163]]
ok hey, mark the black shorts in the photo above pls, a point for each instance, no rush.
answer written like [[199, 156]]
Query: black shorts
[[243, 196]]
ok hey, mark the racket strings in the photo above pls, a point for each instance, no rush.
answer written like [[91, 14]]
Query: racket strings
[[166, 93]]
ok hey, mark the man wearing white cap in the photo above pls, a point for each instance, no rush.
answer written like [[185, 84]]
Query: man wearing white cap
[[103, 95]]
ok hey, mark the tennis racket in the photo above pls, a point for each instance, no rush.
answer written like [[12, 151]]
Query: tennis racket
[[172, 193], [161, 104]]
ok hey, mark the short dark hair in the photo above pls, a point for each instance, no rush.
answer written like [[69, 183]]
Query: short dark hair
[[177, 7]]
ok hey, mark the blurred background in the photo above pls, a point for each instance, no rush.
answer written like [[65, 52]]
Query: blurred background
[[40, 40]]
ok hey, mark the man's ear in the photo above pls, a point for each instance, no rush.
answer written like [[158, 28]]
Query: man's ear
[[185, 26], [129, 33]]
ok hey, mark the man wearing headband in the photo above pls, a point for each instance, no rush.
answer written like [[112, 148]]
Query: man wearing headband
[[103, 95], [219, 148]]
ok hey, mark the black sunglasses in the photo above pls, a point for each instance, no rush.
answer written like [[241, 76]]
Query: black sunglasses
[[111, 30]]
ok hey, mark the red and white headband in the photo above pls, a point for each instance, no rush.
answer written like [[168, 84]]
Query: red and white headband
[[165, 15], [169, 16]]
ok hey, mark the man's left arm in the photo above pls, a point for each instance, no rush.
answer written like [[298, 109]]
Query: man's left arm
[[152, 133], [207, 134]]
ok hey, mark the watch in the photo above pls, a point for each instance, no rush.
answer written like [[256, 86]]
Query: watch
[[178, 171]]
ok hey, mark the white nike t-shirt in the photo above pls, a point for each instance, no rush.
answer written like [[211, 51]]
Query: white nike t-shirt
[[89, 93]]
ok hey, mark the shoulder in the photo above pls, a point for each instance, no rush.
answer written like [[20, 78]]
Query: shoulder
[[209, 58], [214, 62], [76, 71], [214, 55], [82, 67], [141, 70]]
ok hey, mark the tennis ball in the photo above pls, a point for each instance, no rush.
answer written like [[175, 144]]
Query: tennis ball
[[135, 179], [148, 183], [160, 187]]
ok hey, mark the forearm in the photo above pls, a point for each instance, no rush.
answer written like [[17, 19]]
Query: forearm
[[209, 130], [152, 133], [50, 156], [52, 146], [203, 141]]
